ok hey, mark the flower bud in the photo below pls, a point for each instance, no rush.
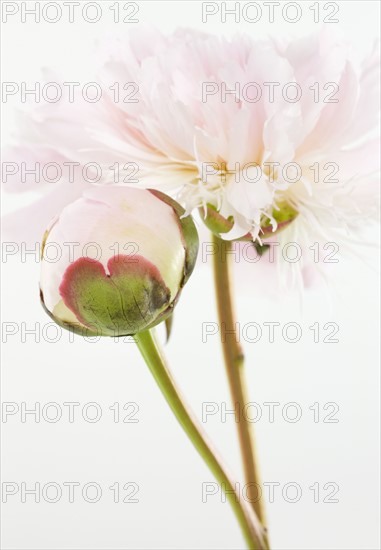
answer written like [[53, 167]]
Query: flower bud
[[122, 256]]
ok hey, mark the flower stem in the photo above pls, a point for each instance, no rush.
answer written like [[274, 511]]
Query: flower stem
[[234, 362], [155, 360]]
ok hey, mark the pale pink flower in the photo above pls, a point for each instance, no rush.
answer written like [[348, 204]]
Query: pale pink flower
[[172, 134]]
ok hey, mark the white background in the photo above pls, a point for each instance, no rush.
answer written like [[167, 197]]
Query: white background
[[155, 453]]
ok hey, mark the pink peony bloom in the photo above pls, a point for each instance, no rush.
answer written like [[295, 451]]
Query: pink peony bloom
[[190, 141]]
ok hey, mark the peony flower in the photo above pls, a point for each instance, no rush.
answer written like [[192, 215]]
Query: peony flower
[[192, 142], [124, 256]]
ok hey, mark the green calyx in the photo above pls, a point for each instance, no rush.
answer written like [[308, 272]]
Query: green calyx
[[218, 224], [214, 220], [125, 301], [283, 216]]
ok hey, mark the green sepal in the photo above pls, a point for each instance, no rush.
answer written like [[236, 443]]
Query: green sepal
[[188, 232], [215, 221]]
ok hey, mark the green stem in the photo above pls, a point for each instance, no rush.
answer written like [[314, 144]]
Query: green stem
[[234, 363], [155, 360]]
